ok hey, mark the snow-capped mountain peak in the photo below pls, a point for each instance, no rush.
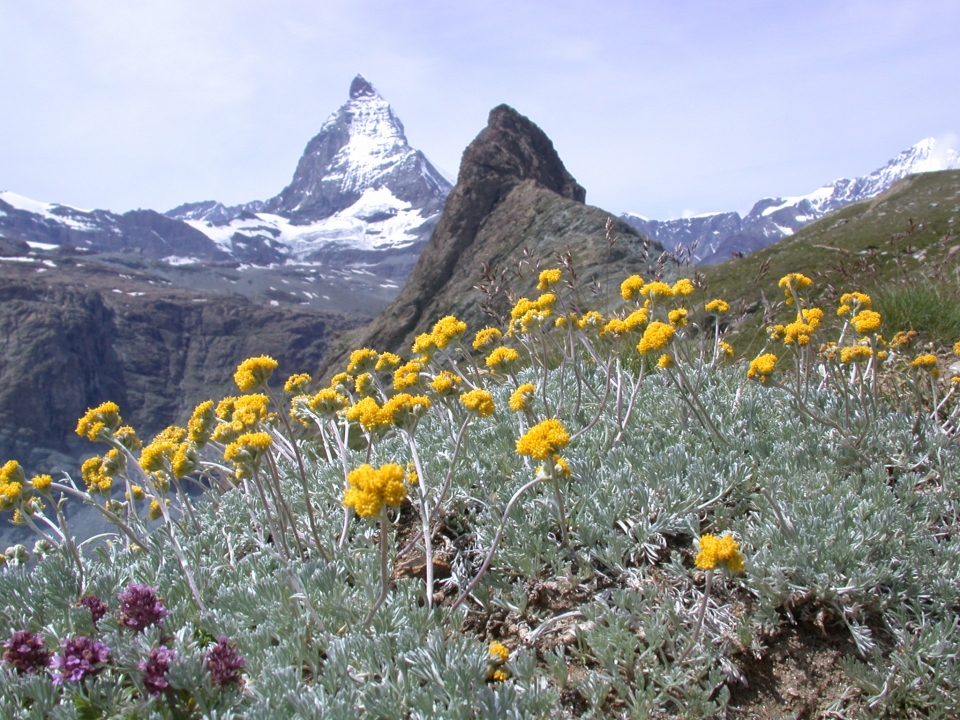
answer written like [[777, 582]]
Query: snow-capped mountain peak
[[719, 235]]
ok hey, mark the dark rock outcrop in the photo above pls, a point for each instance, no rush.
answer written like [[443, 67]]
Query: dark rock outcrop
[[72, 337], [514, 201]]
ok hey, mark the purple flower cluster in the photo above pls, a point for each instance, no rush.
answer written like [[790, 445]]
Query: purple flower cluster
[[224, 663], [80, 657], [155, 668], [140, 607], [97, 607], [26, 652]]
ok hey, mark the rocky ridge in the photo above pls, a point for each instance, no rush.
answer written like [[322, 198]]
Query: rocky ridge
[[718, 236], [514, 207]]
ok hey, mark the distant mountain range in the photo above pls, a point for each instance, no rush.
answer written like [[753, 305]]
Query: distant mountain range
[[714, 237], [360, 196]]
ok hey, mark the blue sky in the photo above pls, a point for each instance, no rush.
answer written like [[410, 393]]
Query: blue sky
[[660, 108]]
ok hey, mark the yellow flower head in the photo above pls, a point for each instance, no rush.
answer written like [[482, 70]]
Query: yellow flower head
[[254, 372], [762, 367], [549, 278], [717, 306], [927, 362], [248, 448], [678, 317], [388, 361], [725, 348], [715, 550], [858, 299], [796, 281], [424, 344], [341, 381], [480, 401], [105, 418], [502, 358], [956, 348], [296, 384], [185, 459], [855, 354], [95, 476], [486, 337], [631, 286], [362, 360], [403, 410], [201, 423], [664, 361], [591, 320], [521, 396], [655, 337], [367, 413], [155, 512], [543, 439], [363, 385], [683, 286], [448, 329], [407, 375], [866, 321], [497, 651], [615, 326], [657, 289], [370, 488], [445, 383], [903, 339], [41, 483]]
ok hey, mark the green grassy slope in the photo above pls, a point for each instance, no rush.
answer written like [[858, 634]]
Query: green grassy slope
[[901, 247]]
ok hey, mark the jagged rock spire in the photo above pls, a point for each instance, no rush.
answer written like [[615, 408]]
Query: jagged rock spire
[[361, 87]]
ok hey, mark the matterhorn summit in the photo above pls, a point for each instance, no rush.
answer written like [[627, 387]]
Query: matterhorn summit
[[359, 188]]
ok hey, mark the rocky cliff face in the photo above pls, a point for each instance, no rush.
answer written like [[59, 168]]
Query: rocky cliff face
[[74, 333], [514, 202]]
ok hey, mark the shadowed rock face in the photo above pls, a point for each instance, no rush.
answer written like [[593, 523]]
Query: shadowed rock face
[[71, 338], [514, 202]]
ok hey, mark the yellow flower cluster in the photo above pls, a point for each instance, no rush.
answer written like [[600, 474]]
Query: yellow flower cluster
[[800, 330], [403, 409], [664, 361], [762, 367], [248, 448], [362, 360], [240, 414], [548, 278], [296, 384], [927, 362], [201, 424], [498, 652], [528, 314], [850, 301], [448, 329], [95, 475], [155, 456], [388, 361], [678, 317], [341, 381], [656, 289], [655, 337], [367, 413], [407, 375], [866, 321], [683, 286], [445, 382], [480, 401], [793, 282], [104, 418], [855, 354], [486, 337], [41, 483], [521, 396], [370, 488], [11, 484], [630, 287], [718, 306], [502, 358], [725, 348], [254, 372], [543, 439], [364, 385], [637, 319], [714, 550]]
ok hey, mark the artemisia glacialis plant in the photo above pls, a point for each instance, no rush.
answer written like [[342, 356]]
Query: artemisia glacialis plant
[[449, 532]]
